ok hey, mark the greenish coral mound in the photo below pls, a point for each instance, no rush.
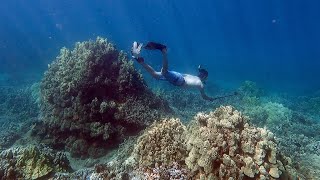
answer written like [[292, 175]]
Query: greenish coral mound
[[277, 113], [269, 114], [162, 143], [251, 89], [92, 97], [31, 162]]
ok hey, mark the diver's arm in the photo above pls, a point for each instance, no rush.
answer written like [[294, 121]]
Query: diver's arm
[[150, 70], [135, 51], [204, 96], [164, 60]]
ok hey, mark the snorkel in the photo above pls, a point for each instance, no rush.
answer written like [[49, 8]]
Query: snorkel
[[202, 74]]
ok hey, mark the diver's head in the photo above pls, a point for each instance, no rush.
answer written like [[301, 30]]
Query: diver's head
[[202, 74]]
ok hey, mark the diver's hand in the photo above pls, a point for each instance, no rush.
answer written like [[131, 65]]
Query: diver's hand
[[164, 51], [136, 49]]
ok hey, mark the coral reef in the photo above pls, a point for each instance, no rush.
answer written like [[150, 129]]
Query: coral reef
[[162, 143], [268, 114], [31, 162], [158, 172], [92, 98], [308, 105], [18, 110], [310, 165], [186, 104], [218, 145], [18, 102], [294, 120], [277, 113], [250, 89], [223, 145]]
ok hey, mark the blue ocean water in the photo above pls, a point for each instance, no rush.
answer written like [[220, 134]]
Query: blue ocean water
[[272, 42], [275, 44]]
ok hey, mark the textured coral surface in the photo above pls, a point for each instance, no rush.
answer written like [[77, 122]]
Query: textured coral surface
[[18, 109], [221, 144], [218, 145], [31, 162], [92, 97], [161, 143]]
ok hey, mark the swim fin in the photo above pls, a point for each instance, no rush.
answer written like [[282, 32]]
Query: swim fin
[[155, 46]]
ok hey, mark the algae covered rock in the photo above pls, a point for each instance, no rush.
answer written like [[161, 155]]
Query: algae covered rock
[[31, 162], [92, 97]]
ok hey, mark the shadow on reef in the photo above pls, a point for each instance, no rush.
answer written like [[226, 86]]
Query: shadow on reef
[[92, 98]]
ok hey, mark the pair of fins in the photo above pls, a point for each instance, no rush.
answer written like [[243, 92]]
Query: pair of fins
[[155, 46]]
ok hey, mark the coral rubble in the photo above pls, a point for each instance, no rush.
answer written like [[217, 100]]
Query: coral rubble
[[92, 97]]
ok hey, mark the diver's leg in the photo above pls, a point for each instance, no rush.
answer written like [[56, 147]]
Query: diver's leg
[[164, 61], [151, 71]]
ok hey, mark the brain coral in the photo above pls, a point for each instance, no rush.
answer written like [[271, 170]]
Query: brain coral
[[92, 97], [222, 145]]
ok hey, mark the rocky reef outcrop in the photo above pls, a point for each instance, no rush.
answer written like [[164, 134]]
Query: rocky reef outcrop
[[223, 145], [218, 145], [31, 162], [92, 97]]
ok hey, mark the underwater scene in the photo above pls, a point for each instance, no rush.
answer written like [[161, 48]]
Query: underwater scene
[[159, 90]]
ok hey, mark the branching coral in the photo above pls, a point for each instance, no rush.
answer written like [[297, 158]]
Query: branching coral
[[93, 97]]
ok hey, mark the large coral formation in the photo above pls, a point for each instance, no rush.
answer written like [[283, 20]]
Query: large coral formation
[[218, 145], [92, 97], [223, 145], [31, 162]]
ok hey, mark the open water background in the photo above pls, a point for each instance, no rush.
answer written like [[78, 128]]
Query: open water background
[[275, 43]]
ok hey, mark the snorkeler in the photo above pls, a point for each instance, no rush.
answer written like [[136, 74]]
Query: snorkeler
[[175, 78]]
